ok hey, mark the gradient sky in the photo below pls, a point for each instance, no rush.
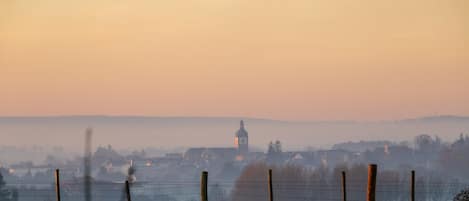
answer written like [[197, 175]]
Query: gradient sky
[[295, 59]]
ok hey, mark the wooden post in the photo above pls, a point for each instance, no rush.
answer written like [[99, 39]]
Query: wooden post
[[271, 192], [344, 187], [371, 191], [87, 164], [412, 186], [203, 186], [127, 190], [57, 184]]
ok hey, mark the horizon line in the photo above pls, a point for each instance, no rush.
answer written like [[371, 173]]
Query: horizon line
[[231, 117]]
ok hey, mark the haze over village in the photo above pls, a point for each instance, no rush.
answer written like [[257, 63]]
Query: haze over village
[[32, 168]]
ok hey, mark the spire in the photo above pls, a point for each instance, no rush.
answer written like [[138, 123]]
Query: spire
[[241, 131]]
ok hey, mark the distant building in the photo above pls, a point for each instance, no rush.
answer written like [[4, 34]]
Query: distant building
[[239, 152], [242, 140], [331, 158], [212, 153], [174, 155]]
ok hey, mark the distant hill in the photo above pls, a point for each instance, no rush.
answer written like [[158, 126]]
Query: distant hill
[[435, 119], [141, 131]]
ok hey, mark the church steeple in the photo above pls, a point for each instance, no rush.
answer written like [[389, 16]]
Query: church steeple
[[242, 131], [242, 139]]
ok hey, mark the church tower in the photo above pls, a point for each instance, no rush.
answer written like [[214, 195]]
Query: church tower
[[242, 140]]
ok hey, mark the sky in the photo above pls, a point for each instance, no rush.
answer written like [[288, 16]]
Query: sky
[[276, 59]]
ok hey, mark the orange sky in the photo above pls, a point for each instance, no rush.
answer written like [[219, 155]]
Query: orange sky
[[296, 60]]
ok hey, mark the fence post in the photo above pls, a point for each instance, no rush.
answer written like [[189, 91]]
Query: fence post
[[371, 191], [412, 186], [271, 192], [203, 186], [57, 184], [344, 187], [127, 190], [87, 164]]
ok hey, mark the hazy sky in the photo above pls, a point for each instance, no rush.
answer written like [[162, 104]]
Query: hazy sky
[[280, 59]]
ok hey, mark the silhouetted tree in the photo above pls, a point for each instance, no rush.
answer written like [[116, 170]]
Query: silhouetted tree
[[274, 153], [462, 196], [251, 184], [453, 158]]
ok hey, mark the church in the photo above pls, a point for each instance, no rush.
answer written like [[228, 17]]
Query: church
[[242, 140], [238, 152]]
